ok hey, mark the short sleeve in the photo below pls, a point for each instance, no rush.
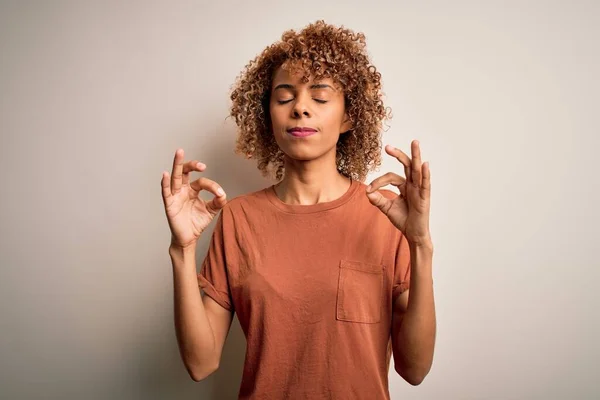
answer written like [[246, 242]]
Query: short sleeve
[[213, 276], [401, 268]]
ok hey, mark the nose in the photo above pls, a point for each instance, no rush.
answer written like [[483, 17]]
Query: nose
[[300, 109]]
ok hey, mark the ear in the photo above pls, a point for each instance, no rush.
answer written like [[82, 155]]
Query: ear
[[346, 124]]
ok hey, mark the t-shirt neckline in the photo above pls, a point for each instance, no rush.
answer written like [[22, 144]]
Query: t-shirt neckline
[[310, 208]]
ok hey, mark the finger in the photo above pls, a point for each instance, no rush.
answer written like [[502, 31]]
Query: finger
[[190, 166], [165, 187], [402, 157], [389, 178], [177, 174], [402, 190], [416, 172], [220, 198], [426, 185], [380, 201], [216, 204], [208, 185]]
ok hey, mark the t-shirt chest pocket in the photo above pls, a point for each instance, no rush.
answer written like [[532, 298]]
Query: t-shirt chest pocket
[[360, 292]]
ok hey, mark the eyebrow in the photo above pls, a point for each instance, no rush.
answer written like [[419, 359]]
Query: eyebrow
[[315, 86]]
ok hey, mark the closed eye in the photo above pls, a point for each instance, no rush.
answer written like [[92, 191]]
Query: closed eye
[[287, 101]]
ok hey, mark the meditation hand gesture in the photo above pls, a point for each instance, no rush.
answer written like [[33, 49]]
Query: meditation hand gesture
[[409, 212], [188, 215]]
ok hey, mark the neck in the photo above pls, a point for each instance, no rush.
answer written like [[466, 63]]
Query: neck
[[311, 182]]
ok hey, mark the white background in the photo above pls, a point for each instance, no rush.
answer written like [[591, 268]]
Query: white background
[[96, 97]]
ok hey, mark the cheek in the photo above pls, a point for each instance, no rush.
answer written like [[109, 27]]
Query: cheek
[[332, 118], [276, 115]]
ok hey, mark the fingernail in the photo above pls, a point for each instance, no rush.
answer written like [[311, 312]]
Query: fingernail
[[220, 192], [199, 165], [369, 188]]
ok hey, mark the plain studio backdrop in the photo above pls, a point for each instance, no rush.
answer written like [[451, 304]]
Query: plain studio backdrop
[[97, 96]]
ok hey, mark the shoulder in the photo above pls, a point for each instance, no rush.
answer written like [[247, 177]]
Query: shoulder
[[245, 203]]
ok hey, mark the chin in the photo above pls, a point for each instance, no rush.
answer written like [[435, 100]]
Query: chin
[[305, 152], [303, 149], [300, 154]]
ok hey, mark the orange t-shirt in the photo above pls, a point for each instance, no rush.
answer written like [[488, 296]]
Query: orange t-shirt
[[313, 288]]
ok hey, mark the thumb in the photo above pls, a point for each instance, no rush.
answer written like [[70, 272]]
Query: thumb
[[378, 201], [216, 204]]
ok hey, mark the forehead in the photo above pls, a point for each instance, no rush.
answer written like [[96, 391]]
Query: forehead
[[284, 75]]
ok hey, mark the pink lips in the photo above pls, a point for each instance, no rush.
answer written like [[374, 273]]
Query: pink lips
[[301, 132]]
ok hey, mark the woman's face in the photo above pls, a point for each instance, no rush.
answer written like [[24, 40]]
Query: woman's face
[[318, 107]]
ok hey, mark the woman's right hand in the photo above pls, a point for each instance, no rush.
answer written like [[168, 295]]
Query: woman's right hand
[[188, 215]]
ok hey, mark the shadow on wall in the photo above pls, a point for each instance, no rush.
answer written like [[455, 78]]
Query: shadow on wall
[[237, 176], [232, 171], [158, 371]]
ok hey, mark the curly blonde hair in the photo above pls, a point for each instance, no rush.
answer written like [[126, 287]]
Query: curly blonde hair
[[323, 51]]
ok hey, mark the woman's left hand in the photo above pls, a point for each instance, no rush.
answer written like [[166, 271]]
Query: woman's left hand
[[409, 212]]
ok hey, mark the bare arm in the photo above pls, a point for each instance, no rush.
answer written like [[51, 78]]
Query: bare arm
[[414, 321], [201, 324]]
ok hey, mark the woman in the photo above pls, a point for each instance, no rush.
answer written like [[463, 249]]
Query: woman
[[318, 266]]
